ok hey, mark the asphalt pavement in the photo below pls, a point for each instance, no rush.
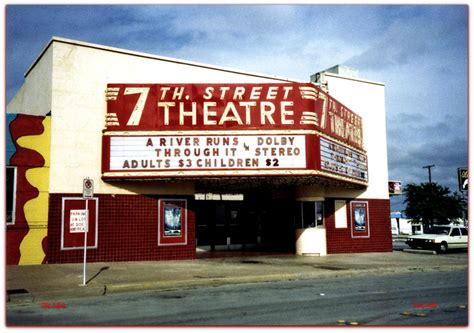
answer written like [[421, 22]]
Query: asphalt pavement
[[36, 283], [406, 299]]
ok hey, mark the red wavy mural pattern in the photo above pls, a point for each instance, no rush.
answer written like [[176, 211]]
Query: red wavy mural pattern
[[24, 159]]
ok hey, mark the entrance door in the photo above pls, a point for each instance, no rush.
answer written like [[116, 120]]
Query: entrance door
[[244, 225], [223, 225]]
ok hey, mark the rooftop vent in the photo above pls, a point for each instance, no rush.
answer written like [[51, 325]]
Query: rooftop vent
[[344, 71]]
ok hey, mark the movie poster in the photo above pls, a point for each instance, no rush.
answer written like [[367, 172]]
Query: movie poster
[[172, 221], [360, 218]]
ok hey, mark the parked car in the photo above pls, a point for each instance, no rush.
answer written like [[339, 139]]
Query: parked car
[[440, 238]]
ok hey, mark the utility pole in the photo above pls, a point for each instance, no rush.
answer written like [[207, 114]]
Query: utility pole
[[429, 171]]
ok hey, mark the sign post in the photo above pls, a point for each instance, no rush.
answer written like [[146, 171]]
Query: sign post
[[87, 193]]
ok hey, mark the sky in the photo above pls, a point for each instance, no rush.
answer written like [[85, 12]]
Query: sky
[[420, 52]]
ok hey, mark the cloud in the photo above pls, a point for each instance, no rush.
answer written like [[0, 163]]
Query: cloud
[[447, 155], [418, 37]]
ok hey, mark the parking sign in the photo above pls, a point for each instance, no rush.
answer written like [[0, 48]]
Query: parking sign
[[87, 188]]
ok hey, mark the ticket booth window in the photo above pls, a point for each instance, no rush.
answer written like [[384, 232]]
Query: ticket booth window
[[311, 214]]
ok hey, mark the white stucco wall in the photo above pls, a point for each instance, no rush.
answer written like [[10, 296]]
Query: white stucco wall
[[367, 99], [311, 241], [34, 97], [80, 76]]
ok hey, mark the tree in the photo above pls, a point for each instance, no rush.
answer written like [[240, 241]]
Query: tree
[[431, 203]]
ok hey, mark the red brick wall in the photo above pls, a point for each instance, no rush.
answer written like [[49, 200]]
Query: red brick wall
[[340, 240], [128, 231]]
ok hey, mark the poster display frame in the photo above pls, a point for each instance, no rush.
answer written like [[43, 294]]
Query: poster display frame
[[360, 228], [168, 211]]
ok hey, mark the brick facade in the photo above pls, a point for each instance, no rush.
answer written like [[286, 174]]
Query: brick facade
[[340, 240], [128, 231]]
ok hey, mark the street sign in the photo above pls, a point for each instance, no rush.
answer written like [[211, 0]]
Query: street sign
[[463, 179], [87, 188], [394, 187]]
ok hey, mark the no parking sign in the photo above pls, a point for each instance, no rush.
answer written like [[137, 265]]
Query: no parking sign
[[87, 188]]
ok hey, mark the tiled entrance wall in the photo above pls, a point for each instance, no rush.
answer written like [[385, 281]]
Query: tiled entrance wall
[[340, 240], [128, 231]]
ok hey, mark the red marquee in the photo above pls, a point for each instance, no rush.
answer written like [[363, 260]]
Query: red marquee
[[173, 130], [270, 106]]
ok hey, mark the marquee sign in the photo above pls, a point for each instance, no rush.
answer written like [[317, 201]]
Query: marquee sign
[[190, 107], [207, 152], [172, 130], [342, 160]]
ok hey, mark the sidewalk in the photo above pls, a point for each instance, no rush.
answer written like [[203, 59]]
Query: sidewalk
[[56, 282]]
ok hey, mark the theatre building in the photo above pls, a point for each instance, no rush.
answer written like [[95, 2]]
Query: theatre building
[[151, 158]]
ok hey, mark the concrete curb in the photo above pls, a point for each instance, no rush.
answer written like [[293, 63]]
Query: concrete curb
[[115, 288], [420, 251], [169, 285], [54, 295]]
